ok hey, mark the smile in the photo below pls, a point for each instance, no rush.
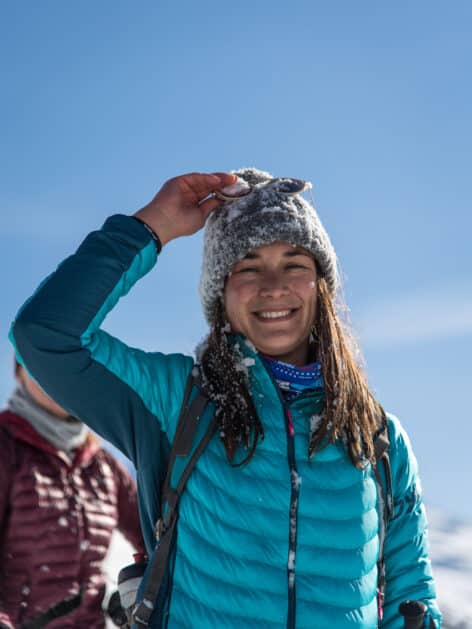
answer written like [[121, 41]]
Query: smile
[[274, 314]]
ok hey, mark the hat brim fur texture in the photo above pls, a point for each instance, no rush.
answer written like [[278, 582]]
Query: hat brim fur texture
[[261, 218]]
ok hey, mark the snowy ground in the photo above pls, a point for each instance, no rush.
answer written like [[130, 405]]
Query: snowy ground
[[120, 554], [451, 553]]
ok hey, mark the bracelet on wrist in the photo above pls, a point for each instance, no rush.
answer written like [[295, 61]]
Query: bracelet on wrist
[[154, 236]]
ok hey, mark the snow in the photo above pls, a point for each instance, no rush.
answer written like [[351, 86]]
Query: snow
[[291, 560], [251, 345], [296, 479], [240, 187], [120, 554], [451, 555], [315, 421]]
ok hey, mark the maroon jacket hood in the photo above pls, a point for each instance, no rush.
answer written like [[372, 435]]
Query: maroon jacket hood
[[20, 428]]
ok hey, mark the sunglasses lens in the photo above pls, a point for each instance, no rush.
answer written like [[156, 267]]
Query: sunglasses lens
[[236, 190], [291, 186]]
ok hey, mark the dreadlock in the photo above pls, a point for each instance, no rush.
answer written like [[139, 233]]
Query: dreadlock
[[225, 382]]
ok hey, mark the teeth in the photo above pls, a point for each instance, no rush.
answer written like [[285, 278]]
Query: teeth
[[274, 315]]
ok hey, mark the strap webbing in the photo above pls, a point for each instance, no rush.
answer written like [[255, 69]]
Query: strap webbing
[[381, 447], [183, 441], [62, 608], [192, 380], [189, 426]]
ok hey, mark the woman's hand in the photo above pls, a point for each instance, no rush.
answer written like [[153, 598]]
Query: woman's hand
[[178, 210]]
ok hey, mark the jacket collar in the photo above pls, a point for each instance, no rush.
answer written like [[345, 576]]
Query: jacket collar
[[263, 383]]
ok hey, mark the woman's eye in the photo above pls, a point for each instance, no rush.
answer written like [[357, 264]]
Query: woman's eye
[[247, 269], [295, 266]]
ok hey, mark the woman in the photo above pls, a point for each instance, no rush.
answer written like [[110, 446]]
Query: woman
[[61, 498], [280, 521]]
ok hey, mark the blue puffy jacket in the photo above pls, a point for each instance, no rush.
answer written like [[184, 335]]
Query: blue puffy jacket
[[235, 563]]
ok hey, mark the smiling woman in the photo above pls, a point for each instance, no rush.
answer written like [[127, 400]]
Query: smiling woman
[[270, 297], [270, 273], [283, 520]]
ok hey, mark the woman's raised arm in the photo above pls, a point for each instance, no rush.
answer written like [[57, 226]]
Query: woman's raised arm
[[57, 335]]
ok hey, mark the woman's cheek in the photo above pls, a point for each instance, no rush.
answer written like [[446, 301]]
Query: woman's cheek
[[305, 286]]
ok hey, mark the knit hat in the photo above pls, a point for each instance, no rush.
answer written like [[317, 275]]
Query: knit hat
[[262, 217]]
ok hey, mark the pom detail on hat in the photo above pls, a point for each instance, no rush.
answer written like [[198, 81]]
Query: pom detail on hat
[[262, 217]]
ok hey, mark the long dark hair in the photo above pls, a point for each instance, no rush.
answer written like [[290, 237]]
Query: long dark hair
[[350, 410], [225, 382]]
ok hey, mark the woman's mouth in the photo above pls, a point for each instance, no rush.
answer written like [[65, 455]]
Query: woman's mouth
[[275, 315]]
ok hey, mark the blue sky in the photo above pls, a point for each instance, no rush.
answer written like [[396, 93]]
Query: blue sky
[[102, 102]]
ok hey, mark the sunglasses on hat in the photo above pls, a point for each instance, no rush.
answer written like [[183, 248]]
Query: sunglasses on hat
[[281, 185]]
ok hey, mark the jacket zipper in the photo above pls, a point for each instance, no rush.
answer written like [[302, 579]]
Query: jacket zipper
[[294, 497], [293, 524]]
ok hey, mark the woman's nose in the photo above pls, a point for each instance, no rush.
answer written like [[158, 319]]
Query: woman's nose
[[273, 285]]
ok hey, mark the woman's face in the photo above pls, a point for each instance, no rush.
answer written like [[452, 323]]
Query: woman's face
[[270, 298]]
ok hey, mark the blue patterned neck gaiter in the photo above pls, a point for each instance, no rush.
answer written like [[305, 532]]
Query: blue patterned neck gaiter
[[292, 380]]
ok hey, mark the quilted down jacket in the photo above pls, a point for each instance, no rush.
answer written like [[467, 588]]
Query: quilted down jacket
[[56, 521], [284, 541]]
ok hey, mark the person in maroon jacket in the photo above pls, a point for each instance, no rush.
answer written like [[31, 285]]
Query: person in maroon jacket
[[61, 498]]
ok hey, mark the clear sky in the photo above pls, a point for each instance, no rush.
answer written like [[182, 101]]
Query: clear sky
[[371, 101]]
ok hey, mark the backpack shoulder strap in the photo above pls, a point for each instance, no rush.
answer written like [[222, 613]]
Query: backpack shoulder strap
[[382, 458], [193, 433], [381, 447]]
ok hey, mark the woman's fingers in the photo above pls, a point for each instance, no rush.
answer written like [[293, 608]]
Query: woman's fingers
[[208, 206], [201, 184], [182, 205], [226, 178]]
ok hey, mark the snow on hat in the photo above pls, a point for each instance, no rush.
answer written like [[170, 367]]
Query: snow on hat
[[262, 217]]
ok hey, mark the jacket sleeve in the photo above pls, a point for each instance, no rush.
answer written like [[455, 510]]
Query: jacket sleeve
[[6, 463], [117, 390], [408, 568]]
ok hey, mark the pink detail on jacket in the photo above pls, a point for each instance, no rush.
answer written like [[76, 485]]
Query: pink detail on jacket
[[290, 426], [56, 521]]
